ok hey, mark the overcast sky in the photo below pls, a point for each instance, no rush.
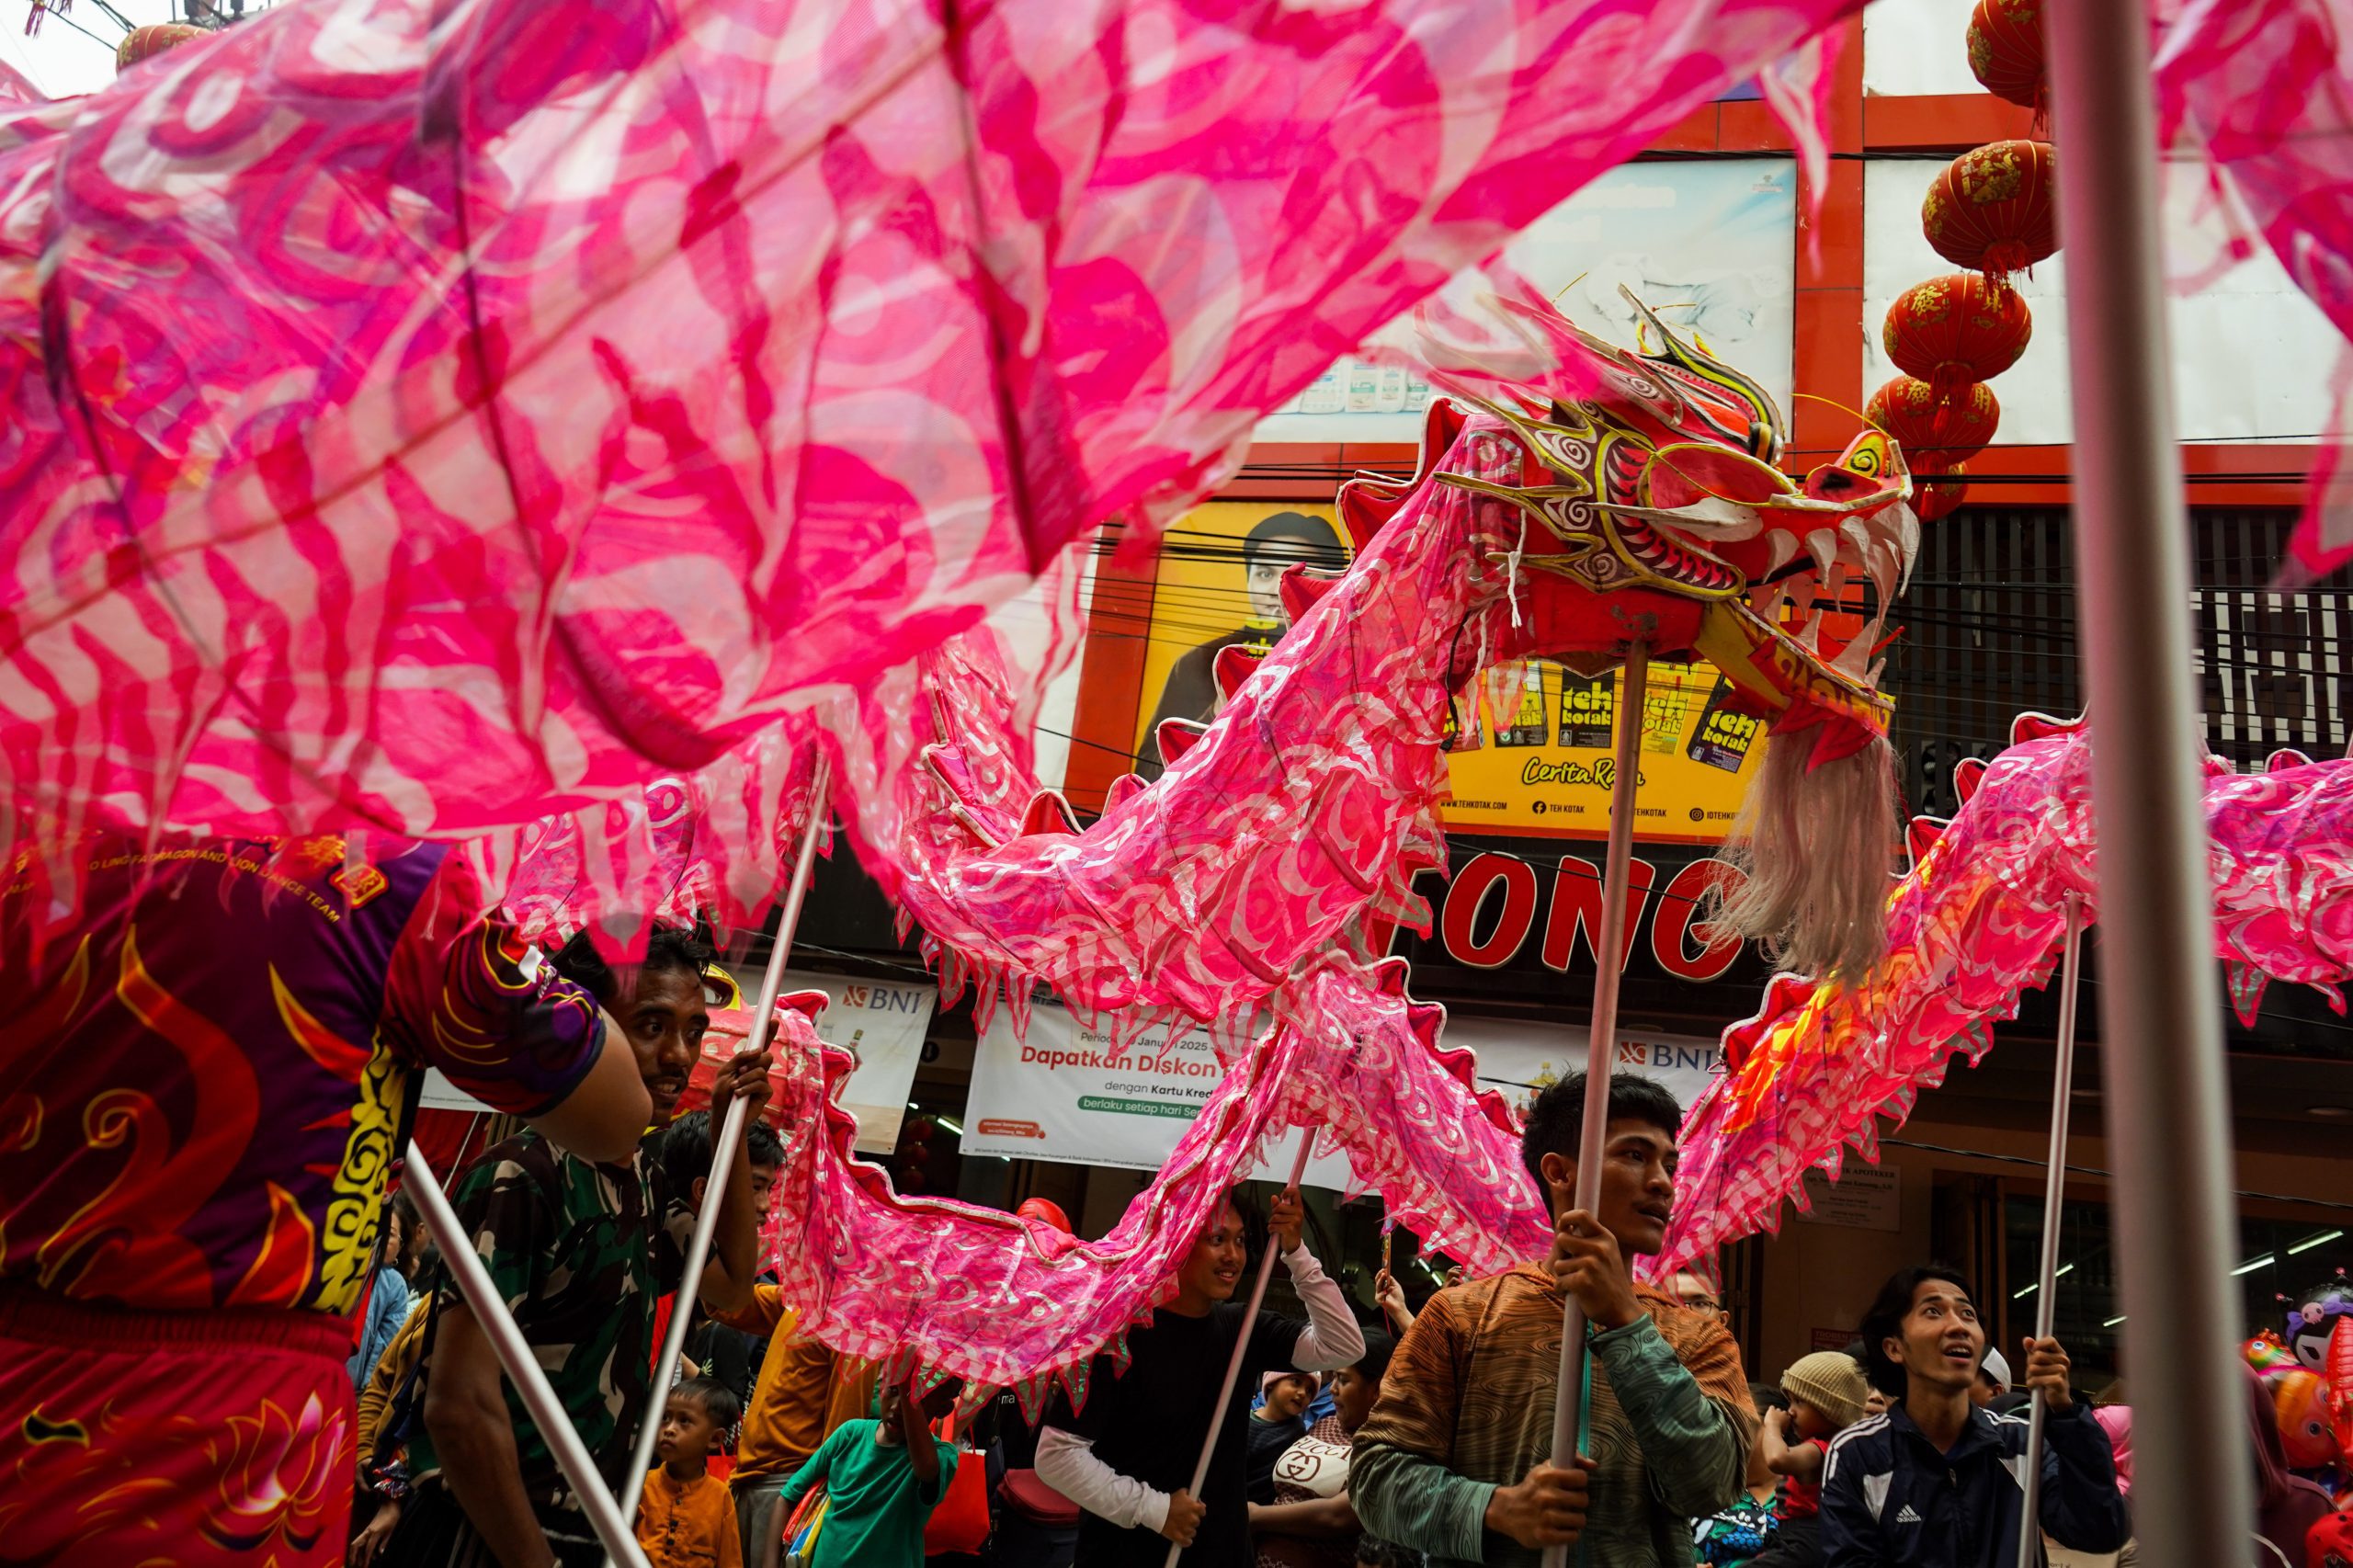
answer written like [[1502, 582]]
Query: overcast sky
[[61, 61]]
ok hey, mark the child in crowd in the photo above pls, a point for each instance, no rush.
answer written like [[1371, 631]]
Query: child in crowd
[[1311, 1523], [1826, 1393], [1277, 1423], [685, 1520], [1740, 1531], [883, 1478]]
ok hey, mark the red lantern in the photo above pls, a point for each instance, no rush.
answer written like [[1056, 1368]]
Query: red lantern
[[1953, 330], [1991, 210], [1939, 496], [143, 43], [1937, 433], [2006, 51]]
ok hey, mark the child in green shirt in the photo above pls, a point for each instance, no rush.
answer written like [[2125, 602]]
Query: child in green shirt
[[884, 1479]]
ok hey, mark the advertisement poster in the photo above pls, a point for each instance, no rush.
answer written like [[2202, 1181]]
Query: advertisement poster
[[1532, 744], [1055, 1095], [1218, 585], [884, 1022], [1710, 245], [1541, 758]]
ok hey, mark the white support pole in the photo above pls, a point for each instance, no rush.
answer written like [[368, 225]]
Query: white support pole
[[723, 1147], [1241, 1343], [2160, 1005], [522, 1366], [1601, 1045], [2063, 1087]]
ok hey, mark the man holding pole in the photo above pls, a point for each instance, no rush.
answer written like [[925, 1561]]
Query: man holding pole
[[580, 1253], [1939, 1481], [1455, 1459]]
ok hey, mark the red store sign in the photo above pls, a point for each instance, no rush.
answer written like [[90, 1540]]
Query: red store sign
[[1491, 907]]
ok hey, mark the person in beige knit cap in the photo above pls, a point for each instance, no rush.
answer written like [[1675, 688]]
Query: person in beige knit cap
[[1826, 1393]]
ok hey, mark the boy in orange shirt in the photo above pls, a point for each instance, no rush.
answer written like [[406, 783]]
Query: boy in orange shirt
[[685, 1519]]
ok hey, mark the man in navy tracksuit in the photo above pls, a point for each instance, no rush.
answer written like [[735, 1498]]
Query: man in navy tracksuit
[[1935, 1481]]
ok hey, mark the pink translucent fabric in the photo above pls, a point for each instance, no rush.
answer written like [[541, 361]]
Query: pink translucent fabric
[[718, 844], [2264, 88], [1442, 1153], [437, 416], [1977, 921]]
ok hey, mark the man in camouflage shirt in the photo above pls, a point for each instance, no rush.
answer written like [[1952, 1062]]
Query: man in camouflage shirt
[[581, 1253]]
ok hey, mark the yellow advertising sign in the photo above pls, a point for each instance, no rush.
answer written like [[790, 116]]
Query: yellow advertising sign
[[1541, 758], [1532, 744]]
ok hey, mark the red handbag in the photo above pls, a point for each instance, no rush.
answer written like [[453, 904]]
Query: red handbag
[[1027, 1495], [961, 1524]]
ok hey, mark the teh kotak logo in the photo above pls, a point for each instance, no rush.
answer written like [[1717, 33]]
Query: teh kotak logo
[[1497, 900]]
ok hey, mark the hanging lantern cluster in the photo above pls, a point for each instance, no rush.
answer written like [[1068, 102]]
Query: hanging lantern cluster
[[145, 43], [1990, 212], [1956, 329], [1935, 432], [2006, 52]]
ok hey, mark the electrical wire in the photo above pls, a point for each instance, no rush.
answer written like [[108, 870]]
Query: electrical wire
[[60, 17]]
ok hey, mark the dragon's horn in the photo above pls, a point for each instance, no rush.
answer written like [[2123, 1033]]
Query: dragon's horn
[[1773, 429]]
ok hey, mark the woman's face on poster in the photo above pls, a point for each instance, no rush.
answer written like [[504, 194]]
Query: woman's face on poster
[[1265, 569]]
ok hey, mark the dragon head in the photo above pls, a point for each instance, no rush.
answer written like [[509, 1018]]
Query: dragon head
[[1653, 506], [1660, 479]]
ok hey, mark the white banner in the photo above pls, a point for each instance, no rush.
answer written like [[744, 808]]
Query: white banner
[[882, 1021], [1058, 1094], [1520, 1058]]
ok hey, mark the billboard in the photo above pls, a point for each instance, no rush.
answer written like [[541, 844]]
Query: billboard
[[1056, 1092], [1708, 244], [1539, 752], [1533, 744], [1217, 584]]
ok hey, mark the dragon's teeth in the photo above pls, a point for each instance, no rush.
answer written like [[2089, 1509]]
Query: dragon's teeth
[[1854, 659], [1823, 545]]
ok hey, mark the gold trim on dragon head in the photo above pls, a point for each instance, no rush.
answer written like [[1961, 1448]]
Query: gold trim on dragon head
[[1658, 475]]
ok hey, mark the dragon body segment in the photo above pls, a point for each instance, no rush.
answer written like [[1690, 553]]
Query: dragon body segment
[[1976, 921]]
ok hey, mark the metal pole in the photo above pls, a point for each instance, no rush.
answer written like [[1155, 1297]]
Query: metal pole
[[723, 1149], [1241, 1343], [522, 1365], [1601, 1045], [2161, 1009], [2046, 1308]]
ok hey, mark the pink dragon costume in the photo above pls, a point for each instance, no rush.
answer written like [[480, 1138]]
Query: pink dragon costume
[[1974, 922], [430, 417], [1247, 888]]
